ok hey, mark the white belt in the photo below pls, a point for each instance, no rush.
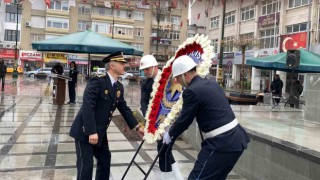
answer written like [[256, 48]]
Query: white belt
[[222, 129]]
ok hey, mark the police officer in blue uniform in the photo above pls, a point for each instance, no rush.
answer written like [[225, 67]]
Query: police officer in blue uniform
[[100, 99], [149, 65], [225, 140]]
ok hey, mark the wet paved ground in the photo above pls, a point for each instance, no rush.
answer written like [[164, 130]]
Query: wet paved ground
[[34, 141]]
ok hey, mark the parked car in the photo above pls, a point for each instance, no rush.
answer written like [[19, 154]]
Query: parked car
[[126, 76], [32, 74]]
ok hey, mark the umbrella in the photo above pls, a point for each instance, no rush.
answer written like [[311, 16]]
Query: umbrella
[[85, 42], [309, 62]]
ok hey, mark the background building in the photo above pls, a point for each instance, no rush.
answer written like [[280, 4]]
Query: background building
[[10, 16], [277, 25], [154, 27]]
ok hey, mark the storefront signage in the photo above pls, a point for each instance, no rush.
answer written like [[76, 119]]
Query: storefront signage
[[268, 20], [30, 56], [7, 53], [55, 57], [249, 54], [78, 58]]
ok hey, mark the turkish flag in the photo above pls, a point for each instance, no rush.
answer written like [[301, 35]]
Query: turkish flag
[[47, 2], [293, 41], [116, 5], [8, 1]]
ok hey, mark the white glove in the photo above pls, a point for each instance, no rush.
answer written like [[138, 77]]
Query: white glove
[[166, 138]]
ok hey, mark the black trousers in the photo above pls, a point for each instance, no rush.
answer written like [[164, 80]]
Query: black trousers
[[85, 153], [2, 81], [213, 165], [72, 92], [166, 158]]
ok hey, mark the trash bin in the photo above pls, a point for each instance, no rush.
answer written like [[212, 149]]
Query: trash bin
[[59, 88], [267, 98]]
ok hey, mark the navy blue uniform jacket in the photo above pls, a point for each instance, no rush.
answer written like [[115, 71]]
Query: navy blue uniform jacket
[[205, 100], [146, 90], [97, 108]]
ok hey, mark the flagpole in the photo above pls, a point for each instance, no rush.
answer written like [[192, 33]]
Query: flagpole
[[113, 19], [15, 72]]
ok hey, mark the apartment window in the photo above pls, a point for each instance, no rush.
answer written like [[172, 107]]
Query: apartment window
[[102, 11], [10, 35], [297, 28], [230, 18], [138, 46], [138, 15], [83, 25], [12, 17], [247, 13], [138, 32], [174, 35], [123, 14], [270, 7], [248, 39], [214, 22], [297, 3], [191, 34], [59, 5], [228, 44], [175, 20], [60, 23], [123, 30], [269, 38], [100, 27], [214, 43], [84, 9], [163, 18], [37, 37]]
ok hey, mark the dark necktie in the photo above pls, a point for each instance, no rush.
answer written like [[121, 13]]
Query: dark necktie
[[114, 87]]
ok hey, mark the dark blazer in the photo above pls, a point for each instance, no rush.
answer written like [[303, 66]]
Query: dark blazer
[[146, 90], [205, 100], [99, 102], [73, 74], [3, 69]]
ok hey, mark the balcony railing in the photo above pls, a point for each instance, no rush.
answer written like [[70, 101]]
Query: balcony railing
[[162, 41]]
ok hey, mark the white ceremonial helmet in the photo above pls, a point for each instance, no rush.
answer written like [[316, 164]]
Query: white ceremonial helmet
[[147, 61], [182, 65]]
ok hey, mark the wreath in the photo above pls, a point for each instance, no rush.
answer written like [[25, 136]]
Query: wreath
[[166, 98]]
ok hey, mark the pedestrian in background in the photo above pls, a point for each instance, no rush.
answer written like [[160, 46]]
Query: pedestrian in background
[[203, 99], [167, 163], [73, 74], [3, 73], [101, 97], [276, 88], [57, 69], [297, 89]]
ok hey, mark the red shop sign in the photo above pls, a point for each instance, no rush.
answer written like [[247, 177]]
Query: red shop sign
[[8, 53]]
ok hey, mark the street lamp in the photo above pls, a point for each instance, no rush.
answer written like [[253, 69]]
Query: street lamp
[[220, 70], [15, 72]]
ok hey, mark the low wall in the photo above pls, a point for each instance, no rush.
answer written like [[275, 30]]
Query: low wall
[[268, 158]]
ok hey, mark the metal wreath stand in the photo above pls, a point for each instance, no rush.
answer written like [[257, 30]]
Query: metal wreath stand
[[153, 163]]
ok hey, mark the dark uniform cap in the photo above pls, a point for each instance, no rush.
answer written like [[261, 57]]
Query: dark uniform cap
[[117, 56]]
